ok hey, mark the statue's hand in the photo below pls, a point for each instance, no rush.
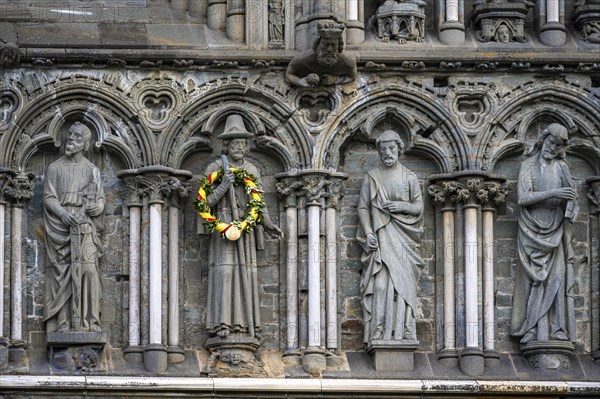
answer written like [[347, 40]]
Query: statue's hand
[[94, 210], [372, 242], [328, 79], [274, 231], [394, 206], [228, 178], [69, 219], [566, 193]]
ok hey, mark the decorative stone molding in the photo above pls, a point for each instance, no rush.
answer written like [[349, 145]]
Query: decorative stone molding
[[587, 20], [20, 189], [174, 190]]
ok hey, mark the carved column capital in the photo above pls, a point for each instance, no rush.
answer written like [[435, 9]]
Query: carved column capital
[[6, 176], [334, 192], [594, 193], [133, 190], [314, 187], [288, 189], [445, 193], [174, 190], [491, 194], [152, 187], [20, 188]]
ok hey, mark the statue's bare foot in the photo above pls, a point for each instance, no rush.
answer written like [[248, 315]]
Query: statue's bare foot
[[224, 332], [95, 328]]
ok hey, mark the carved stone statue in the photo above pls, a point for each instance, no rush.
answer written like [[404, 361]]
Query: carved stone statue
[[326, 64], [73, 208], [590, 32], [543, 308], [233, 307], [390, 211], [401, 20], [276, 23], [501, 21]]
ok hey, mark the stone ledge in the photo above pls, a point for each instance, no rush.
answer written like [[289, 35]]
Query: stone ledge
[[312, 386]]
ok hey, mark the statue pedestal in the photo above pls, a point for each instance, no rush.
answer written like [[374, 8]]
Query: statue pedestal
[[549, 355], [393, 355], [76, 350], [235, 349]]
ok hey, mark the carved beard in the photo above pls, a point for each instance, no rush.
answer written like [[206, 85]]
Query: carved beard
[[326, 58], [73, 148]]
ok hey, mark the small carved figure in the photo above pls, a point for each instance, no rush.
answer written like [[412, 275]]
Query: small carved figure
[[73, 207], [591, 32], [400, 20], [276, 22], [326, 64], [503, 34], [390, 210], [232, 275], [543, 308]]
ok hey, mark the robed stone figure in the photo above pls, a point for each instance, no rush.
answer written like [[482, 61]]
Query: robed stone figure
[[390, 211], [543, 307], [233, 303], [73, 207]]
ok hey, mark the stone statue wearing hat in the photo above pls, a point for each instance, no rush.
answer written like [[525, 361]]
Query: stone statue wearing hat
[[326, 64], [543, 308], [233, 307]]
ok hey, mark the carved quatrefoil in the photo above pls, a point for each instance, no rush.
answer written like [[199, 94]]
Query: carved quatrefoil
[[315, 106]]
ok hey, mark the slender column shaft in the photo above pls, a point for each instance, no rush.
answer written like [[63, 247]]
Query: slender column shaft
[[236, 20], [352, 10], [452, 10], [449, 286], [488, 280], [292, 278], [16, 325], [471, 317], [314, 276], [173, 333], [1, 270], [216, 17], [331, 278], [552, 11], [134, 275], [155, 273]]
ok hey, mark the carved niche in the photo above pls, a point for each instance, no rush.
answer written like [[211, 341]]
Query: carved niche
[[401, 21], [501, 21]]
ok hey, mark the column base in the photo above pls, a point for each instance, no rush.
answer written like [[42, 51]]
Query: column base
[[17, 351], [134, 354], [491, 358], [549, 355], [448, 357], [393, 355], [553, 34], [472, 362], [314, 362], [175, 355], [292, 357], [452, 33], [155, 358]]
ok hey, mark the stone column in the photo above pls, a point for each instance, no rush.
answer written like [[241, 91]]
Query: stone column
[[216, 17], [19, 192], [355, 23], [471, 357], [134, 352], [155, 353], [594, 196], [445, 195], [236, 20], [287, 189], [6, 176], [333, 196], [174, 190], [551, 22], [491, 195], [450, 21], [313, 360]]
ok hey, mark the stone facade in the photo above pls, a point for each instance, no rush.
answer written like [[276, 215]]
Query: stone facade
[[155, 82]]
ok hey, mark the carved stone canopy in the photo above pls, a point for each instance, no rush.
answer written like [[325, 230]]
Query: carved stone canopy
[[401, 21], [501, 22], [587, 21]]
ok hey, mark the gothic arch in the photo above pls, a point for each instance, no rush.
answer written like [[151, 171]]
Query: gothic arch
[[563, 104], [432, 129], [270, 118], [110, 116]]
